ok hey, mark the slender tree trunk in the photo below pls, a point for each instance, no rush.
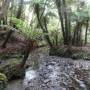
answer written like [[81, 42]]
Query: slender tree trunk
[[66, 22], [29, 48], [56, 39], [87, 25], [25, 57], [69, 31], [44, 28], [59, 6], [7, 38], [20, 9], [77, 34], [4, 10], [63, 16], [46, 31], [74, 35]]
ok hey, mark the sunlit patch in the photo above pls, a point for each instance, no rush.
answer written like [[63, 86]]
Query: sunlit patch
[[31, 74], [54, 73], [86, 1]]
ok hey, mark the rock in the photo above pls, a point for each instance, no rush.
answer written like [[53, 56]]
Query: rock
[[87, 80], [11, 68], [46, 80], [3, 82], [27, 88], [72, 88], [74, 53], [57, 52]]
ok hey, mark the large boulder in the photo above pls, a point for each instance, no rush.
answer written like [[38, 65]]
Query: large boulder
[[11, 68], [3, 82], [62, 52]]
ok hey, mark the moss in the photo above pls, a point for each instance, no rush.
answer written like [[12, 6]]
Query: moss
[[81, 55], [73, 53], [77, 55], [11, 68], [62, 52], [57, 52], [6, 56], [3, 81]]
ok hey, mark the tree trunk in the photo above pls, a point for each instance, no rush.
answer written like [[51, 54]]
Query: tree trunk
[[44, 28], [63, 16], [56, 39], [25, 57], [29, 48], [59, 6], [7, 38], [66, 22], [4, 10], [87, 25], [46, 31], [20, 9], [77, 35]]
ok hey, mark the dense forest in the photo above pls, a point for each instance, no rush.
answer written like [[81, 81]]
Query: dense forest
[[44, 44]]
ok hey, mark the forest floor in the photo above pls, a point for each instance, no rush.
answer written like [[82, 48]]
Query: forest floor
[[47, 72], [54, 73]]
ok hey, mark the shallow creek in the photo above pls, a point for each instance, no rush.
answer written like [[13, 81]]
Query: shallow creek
[[53, 73]]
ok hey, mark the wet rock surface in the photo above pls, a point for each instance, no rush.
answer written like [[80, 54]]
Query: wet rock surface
[[55, 73]]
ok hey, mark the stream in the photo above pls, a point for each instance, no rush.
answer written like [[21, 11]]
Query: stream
[[53, 73]]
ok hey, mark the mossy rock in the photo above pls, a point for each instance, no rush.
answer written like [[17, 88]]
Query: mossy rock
[[81, 55], [12, 68], [77, 56], [3, 82], [6, 56], [57, 52], [74, 54]]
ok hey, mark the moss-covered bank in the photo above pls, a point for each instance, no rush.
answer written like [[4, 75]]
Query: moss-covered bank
[[11, 68], [74, 53], [3, 82]]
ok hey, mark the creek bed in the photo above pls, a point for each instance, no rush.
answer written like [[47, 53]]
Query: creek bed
[[54, 73]]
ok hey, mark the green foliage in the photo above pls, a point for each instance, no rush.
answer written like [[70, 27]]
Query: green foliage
[[3, 81], [27, 30], [81, 14], [76, 12], [11, 67], [2, 77]]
